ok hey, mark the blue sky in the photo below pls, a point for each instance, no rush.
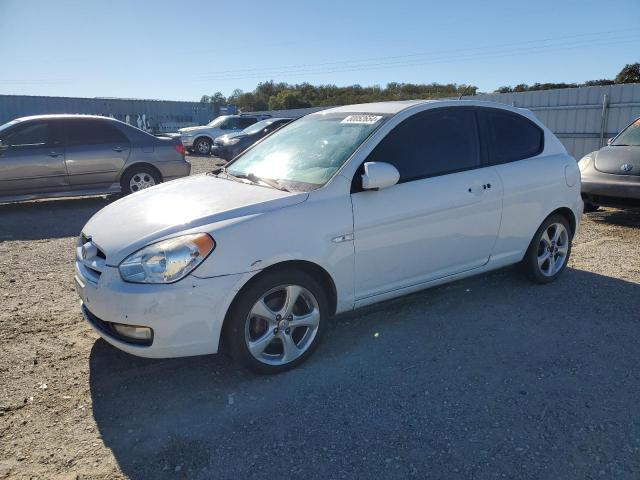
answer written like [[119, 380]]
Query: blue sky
[[182, 50]]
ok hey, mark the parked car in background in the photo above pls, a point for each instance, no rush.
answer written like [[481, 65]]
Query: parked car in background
[[200, 139], [72, 155], [231, 145], [337, 210], [611, 175]]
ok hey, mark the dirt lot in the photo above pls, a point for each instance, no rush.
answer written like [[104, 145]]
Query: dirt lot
[[489, 377]]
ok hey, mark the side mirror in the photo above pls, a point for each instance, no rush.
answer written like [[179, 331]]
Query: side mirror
[[379, 175], [609, 140]]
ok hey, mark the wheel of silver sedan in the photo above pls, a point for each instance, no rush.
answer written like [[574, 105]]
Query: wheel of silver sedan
[[140, 181], [553, 249], [282, 324]]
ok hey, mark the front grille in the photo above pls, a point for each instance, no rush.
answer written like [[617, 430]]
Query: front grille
[[91, 267]]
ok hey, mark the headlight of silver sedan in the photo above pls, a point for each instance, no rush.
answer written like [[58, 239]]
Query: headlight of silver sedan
[[585, 161], [167, 261]]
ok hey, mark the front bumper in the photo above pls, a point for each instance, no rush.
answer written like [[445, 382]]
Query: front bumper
[[610, 189], [186, 317], [221, 151], [187, 141]]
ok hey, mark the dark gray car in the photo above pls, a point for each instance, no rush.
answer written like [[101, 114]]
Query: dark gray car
[[71, 155], [611, 175]]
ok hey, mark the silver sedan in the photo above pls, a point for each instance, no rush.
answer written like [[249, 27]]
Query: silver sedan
[[72, 155]]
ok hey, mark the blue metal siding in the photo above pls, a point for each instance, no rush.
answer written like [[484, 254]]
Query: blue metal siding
[[152, 115]]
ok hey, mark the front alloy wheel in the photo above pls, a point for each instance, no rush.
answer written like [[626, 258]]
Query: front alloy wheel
[[282, 324], [276, 321]]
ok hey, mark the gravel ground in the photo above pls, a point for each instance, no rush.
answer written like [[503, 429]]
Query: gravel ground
[[489, 377]]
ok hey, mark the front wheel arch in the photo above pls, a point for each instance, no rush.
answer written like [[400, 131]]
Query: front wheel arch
[[311, 268]]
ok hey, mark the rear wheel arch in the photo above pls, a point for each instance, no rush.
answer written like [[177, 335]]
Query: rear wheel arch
[[138, 165], [568, 214]]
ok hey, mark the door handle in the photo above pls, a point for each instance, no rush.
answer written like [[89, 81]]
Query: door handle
[[118, 149], [54, 154]]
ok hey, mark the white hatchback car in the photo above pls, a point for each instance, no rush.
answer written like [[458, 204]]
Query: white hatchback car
[[339, 209]]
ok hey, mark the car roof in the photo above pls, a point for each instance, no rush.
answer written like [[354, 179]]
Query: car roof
[[394, 107], [376, 107], [63, 115]]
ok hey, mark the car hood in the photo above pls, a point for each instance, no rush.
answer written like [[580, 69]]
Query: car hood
[[171, 208], [222, 138], [194, 129], [618, 160]]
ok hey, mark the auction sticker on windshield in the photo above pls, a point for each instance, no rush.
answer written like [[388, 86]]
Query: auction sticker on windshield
[[362, 119]]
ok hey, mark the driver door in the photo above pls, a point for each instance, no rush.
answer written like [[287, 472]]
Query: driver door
[[32, 158], [443, 216]]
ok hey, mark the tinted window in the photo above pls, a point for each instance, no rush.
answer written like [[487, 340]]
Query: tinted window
[[28, 135], [93, 132], [510, 136], [245, 122], [431, 143]]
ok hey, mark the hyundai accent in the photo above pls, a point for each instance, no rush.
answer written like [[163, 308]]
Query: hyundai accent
[[340, 209]]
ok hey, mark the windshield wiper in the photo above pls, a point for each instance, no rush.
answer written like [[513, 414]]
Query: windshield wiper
[[272, 183], [253, 178]]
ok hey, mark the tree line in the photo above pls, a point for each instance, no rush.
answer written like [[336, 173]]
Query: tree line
[[272, 95]]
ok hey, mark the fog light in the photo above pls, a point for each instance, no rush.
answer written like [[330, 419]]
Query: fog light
[[134, 333]]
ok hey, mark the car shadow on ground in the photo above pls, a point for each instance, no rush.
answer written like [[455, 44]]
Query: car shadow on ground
[[622, 218], [472, 379], [46, 219]]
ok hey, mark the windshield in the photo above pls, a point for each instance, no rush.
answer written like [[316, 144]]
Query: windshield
[[307, 152], [256, 127], [8, 124], [216, 122], [629, 136]]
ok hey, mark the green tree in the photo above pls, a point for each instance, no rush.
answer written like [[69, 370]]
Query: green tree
[[629, 74]]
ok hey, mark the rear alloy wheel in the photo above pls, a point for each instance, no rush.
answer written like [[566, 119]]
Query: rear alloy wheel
[[202, 146], [277, 322], [138, 179], [549, 251]]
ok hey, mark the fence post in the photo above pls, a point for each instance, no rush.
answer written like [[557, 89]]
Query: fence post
[[603, 119]]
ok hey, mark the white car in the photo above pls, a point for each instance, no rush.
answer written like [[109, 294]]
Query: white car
[[339, 209], [200, 139]]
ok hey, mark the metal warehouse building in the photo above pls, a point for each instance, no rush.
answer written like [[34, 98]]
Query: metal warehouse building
[[152, 115]]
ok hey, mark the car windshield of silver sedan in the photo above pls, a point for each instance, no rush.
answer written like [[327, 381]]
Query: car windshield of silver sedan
[[630, 137], [305, 154], [216, 122]]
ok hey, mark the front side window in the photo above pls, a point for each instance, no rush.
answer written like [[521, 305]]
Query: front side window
[[33, 134], [629, 137], [93, 132], [256, 127], [306, 153], [244, 122], [431, 143], [510, 136]]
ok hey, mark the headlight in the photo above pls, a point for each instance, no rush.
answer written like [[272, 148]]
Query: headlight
[[186, 134], [167, 261], [231, 141], [585, 161]]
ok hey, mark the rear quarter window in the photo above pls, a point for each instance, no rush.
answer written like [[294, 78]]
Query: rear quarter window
[[508, 137]]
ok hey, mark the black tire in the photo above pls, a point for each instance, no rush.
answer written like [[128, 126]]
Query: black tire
[[590, 207], [538, 248], [147, 174], [238, 322], [202, 146]]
